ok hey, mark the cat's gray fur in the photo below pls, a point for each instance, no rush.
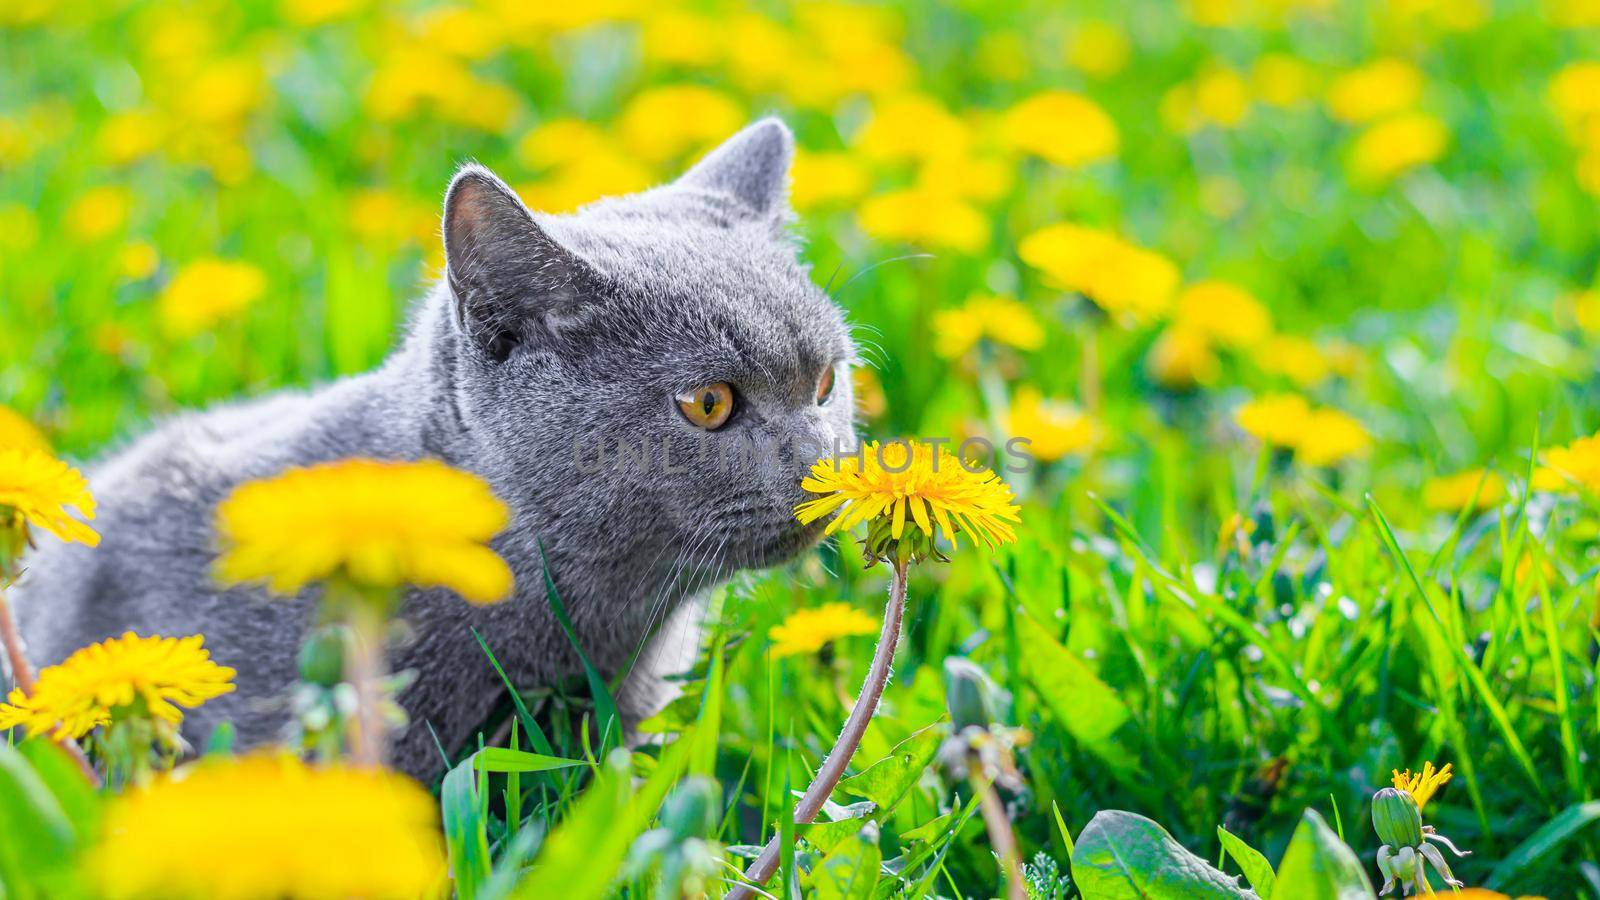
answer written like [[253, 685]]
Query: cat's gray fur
[[546, 329]]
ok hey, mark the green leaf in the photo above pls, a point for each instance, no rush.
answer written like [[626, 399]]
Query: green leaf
[[827, 835], [1124, 856], [1061, 828], [1318, 866], [39, 840], [1080, 702], [1256, 869], [605, 705], [504, 759], [1547, 840], [886, 781], [850, 870], [466, 828]]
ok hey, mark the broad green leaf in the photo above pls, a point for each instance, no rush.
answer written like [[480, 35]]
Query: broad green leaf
[[1256, 869], [504, 759], [1080, 702], [1318, 866], [1547, 840], [1124, 856], [466, 828], [36, 837], [850, 870], [886, 781], [827, 835]]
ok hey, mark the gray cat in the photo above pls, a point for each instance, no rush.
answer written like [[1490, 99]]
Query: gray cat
[[551, 339]]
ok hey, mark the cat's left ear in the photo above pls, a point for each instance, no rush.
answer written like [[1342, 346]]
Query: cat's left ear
[[752, 167]]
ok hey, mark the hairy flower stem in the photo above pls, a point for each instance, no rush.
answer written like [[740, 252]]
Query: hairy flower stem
[[1001, 839], [22, 675], [849, 738]]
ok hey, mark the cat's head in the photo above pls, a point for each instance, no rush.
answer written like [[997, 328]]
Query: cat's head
[[658, 364]]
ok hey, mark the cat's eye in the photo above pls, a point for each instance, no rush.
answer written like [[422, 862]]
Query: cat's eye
[[825, 386], [707, 407]]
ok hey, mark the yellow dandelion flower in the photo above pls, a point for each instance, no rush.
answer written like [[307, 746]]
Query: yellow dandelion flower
[[1225, 313], [1575, 94], [37, 489], [607, 173], [1397, 145], [1573, 467], [936, 219], [154, 674], [913, 482], [1003, 320], [1424, 784], [271, 826], [909, 127], [827, 179], [681, 38], [1280, 79], [871, 401], [1061, 127], [1276, 420], [1182, 358], [17, 432], [1331, 437], [1377, 89], [129, 136], [665, 122], [99, 212], [380, 524], [1116, 275], [807, 631], [138, 260], [1053, 428], [1221, 97], [1477, 488], [1099, 49], [206, 293], [966, 176]]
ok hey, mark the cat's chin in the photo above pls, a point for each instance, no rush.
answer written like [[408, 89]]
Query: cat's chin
[[782, 547]]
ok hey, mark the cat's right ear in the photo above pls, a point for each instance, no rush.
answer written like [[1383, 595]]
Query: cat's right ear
[[510, 281]]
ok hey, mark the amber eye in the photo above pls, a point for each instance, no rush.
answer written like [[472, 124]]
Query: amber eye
[[825, 386], [707, 407]]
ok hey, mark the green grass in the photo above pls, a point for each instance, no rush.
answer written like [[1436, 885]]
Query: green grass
[[1155, 671]]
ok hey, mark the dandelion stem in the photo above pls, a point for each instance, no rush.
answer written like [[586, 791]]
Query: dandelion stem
[[366, 674], [855, 727], [1001, 838], [22, 675]]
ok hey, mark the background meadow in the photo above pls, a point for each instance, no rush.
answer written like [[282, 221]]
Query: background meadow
[[1293, 297]]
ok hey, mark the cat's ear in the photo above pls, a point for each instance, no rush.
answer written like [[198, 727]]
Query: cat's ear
[[752, 167], [509, 279]]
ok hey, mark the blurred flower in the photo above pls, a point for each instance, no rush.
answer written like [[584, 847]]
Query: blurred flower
[[1061, 127], [1584, 307], [1003, 320], [1280, 79], [1294, 358], [562, 141], [935, 219], [130, 675], [16, 432], [871, 402], [965, 176], [1216, 97], [99, 212], [677, 37], [461, 31], [1121, 278], [1575, 13], [138, 260], [1374, 90], [269, 825], [826, 179], [909, 481], [207, 292], [1053, 428], [413, 78], [223, 91], [605, 174], [385, 216], [911, 127], [1331, 437], [1575, 466], [1424, 784], [130, 135], [662, 123], [1477, 488], [1395, 145], [1225, 313], [1182, 358], [310, 13], [806, 631], [381, 524], [19, 227], [1098, 48], [37, 489], [1575, 94]]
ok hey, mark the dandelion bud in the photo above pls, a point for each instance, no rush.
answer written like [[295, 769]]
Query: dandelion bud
[[322, 657], [1396, 818], [968, 693]]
